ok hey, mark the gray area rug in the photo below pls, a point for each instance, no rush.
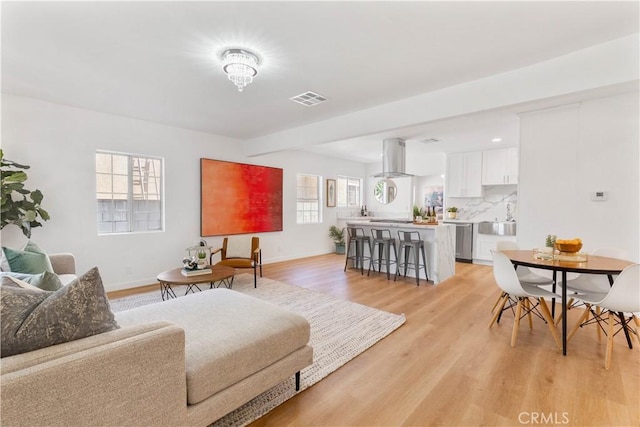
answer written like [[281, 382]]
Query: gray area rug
[[340, 330]]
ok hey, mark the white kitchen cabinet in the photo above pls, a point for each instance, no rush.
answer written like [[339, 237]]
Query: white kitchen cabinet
[[513, 160], [485, 243], [464, 175], [500, 166]]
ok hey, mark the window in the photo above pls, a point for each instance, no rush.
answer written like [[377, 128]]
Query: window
[[308, 203], [349, 191], [129, 193]]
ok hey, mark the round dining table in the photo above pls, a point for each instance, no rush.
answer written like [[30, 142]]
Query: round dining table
[[593, 265]]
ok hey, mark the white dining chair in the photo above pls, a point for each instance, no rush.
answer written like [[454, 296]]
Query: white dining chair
[[591, 283], [524, 273], [508, 281], [623, 297]]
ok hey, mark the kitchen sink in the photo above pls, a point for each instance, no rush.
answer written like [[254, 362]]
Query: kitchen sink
[[497, 228]]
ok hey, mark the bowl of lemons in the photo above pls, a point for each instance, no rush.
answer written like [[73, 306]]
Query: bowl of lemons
[[568, 245]]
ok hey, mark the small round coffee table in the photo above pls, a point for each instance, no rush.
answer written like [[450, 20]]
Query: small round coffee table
[[220, 275]]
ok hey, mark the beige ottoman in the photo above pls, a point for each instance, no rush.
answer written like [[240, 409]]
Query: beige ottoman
[[232, 339]]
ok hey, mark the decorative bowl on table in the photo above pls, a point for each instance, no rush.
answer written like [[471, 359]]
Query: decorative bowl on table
[[569, 246]]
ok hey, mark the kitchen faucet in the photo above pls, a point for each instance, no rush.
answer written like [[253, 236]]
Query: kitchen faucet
[[509, 217]]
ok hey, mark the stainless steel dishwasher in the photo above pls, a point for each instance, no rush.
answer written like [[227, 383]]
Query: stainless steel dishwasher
[[464, 241]]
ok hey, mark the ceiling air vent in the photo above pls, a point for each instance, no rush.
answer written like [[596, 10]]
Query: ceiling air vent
[[309, 99], [429, 140]]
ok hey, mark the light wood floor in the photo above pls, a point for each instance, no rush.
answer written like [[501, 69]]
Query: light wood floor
[[445, 367]]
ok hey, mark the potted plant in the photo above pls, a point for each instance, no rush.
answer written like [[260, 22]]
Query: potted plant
[[417, 214], [452, 212], [550, 244], [25, 209], [202, 258], [337, 235]]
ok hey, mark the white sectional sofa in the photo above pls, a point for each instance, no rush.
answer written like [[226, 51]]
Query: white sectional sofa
[[187, 361], [64, 265]]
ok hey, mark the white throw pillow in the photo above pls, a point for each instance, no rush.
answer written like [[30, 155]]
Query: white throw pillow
[[239, 246]]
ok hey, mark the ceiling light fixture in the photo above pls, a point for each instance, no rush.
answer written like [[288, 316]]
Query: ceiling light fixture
[[240, 65], [496, 140]]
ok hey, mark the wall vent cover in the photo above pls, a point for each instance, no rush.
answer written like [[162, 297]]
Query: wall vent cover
[[308, 98], [429, 140]]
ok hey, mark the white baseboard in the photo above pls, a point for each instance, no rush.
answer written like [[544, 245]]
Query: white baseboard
[[130, 285], [152, 280]]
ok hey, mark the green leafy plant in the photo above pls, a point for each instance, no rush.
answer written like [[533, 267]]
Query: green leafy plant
[[337, 235], [550, 241], [452, 209], [417, 211], [24, 210]]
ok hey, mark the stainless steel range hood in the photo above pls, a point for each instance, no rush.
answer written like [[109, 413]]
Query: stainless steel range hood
[[393, 159]]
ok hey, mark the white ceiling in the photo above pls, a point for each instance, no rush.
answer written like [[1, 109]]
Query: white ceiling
[[159, 61], [468, 133], [474, 132]]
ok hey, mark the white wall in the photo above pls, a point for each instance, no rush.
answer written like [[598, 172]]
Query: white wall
[[401, 206], [420, 162], [59, 143], [568, 152], [297, 241]]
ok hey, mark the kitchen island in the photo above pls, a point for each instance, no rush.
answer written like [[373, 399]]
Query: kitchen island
[[439, 243]]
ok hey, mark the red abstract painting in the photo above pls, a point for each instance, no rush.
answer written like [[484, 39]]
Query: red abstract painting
[[238, 198]]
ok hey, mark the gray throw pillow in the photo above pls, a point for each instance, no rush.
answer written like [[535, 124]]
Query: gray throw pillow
[[46, 281], [37, 319], [7, 281], [12, 281]]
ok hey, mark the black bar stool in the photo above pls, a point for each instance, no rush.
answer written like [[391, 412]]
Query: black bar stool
[[383, 240], [410, 240], [357, 239]]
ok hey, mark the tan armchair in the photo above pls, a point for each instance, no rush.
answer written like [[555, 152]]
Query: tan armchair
[[241, 252]]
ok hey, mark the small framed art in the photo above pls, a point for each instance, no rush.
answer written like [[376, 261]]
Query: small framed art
[[331, 193]]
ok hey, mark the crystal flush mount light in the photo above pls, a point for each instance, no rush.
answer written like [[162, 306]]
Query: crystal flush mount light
[[240, 65]]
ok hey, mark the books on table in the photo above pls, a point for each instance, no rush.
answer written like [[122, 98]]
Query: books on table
[[196, 272]]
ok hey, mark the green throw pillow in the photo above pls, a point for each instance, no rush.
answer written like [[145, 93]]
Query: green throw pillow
[[30, 260], [32, 247], [46, 281], [37, 319]]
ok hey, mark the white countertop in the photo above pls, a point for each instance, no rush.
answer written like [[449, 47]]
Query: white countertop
[[369, 218], [394, 224]]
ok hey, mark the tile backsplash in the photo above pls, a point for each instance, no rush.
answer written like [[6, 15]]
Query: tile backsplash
[[492, 205]]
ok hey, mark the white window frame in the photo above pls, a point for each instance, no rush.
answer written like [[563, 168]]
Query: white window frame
[[308, 210], [154, 178], [347, 180]]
